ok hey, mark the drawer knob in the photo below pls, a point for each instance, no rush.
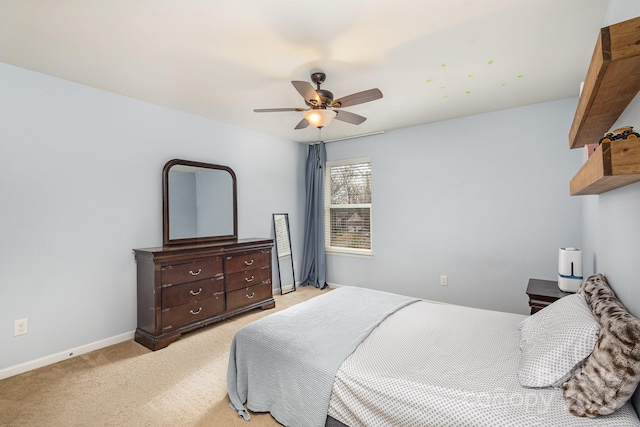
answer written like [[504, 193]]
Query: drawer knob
[[196, 312], [250, 296], [195, 293], [196, 273], [248, 279], [248, 262]]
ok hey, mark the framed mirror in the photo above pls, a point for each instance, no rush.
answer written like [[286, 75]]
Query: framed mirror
[[199, 203], [283, 253]]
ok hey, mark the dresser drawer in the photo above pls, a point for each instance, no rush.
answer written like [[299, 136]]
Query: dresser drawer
[[246, 261], [197, 270], [246, 278], [177, 316], [194, 291], [248, 295]]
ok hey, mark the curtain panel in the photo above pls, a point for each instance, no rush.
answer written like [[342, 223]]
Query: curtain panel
[[313, 255]]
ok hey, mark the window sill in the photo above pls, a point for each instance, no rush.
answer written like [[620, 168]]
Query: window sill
[[349, 253]]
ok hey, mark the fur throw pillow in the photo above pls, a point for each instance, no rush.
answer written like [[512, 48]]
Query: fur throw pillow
[[612, 372]]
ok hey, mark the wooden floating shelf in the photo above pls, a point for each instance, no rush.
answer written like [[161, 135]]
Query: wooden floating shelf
[[612, 81], [613, 165]]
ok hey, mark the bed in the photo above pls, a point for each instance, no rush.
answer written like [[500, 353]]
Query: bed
[[358, 357]]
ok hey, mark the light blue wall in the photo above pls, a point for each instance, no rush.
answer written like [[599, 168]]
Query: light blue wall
[[621, 10], [482, 199], [80, 187]]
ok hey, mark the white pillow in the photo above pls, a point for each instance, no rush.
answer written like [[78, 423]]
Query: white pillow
[[555, 341]]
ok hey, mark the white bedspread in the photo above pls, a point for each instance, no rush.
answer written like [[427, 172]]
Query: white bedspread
[[444, 365]]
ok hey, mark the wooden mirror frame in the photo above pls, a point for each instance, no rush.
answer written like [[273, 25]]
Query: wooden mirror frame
[[166, 239]]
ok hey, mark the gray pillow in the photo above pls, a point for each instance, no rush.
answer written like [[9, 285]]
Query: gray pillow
[[610, 375], [555, 341]]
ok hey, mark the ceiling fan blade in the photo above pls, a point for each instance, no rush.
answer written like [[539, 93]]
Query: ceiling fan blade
[[348, 117], [274, 110], [357, 98], [303, 124], [307, 91]]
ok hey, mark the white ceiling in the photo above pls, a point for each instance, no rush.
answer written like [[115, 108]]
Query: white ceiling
[[432, 59]]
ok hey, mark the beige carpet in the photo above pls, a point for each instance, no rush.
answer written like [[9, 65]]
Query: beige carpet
[[129, 385]]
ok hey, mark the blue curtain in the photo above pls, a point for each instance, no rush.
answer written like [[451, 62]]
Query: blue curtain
[[313, 254]]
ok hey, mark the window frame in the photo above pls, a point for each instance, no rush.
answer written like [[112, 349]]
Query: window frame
[[358, 252]]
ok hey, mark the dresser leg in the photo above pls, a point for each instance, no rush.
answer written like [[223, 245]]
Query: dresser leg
[[270, 304], [152, 342]]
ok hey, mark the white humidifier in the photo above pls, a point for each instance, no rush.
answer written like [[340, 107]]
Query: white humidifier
[[569, 269]]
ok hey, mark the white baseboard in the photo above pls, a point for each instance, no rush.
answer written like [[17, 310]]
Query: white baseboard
[[64, 355]]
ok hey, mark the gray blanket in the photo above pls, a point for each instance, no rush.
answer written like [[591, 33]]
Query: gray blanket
[[285, 363]]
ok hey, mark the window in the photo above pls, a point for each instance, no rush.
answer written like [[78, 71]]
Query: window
[[348, 206]]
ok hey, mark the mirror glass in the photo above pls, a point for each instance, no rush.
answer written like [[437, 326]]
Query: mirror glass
[[199, 203], [283, 253]]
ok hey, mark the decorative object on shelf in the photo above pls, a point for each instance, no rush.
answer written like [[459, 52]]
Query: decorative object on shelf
[[589, 149], [569, 269], [625, 132]]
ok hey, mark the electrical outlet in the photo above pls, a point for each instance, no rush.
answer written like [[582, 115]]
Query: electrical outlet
[[444, 281], [20, 327]]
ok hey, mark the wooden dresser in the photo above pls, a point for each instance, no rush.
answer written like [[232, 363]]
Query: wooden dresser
[[183, 288]]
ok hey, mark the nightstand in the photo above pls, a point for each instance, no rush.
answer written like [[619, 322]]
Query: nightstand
[[542, 293]]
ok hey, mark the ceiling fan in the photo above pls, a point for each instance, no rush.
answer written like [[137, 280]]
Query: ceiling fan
[[321, 104]]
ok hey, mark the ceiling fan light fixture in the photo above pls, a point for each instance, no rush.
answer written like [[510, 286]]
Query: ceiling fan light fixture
[[319, 118]]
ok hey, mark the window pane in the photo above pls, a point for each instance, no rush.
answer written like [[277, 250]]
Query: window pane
[[351, 184], [351, 227]]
